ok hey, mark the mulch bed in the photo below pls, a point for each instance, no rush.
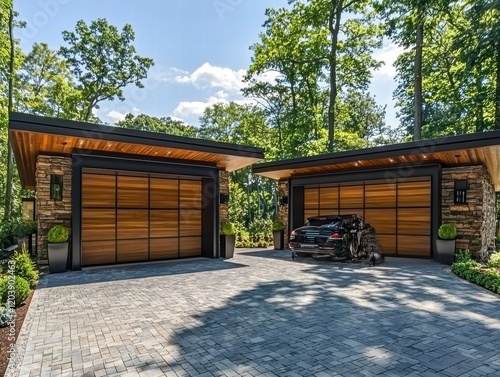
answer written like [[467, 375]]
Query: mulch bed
[[4, 334]]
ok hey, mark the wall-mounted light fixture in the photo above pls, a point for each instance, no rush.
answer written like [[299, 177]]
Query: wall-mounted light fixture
[[283, 200], [56, 187], [460, 191], [223, 198]]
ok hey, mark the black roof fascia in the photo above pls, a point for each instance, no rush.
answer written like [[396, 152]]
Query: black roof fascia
[[475, 140], [35, 123]]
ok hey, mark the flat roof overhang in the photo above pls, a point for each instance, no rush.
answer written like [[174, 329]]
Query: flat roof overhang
[[32, 135], [470, 149]]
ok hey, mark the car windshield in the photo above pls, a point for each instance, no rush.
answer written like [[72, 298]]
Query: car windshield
[[334, 223]]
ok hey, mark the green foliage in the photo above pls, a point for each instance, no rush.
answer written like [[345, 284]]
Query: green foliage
[[25, 267], [24, 228], [104, 61], [58, 234], [447, 232], [6, 316], [16, 286], [474, 272], [260, 227], [228, 229], [165, 125], [278, 224], [494, 261], [463, 256], [253, 241], [7, 233]]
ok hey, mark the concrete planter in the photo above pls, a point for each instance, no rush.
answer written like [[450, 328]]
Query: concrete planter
[[21, 240], [227, 246], [278, 239], [58, 257], [446, 251]]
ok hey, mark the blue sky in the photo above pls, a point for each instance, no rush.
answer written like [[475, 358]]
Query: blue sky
[[200, 49]]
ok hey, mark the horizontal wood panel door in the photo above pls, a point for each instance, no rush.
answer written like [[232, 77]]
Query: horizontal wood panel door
[[98, 190], [414, 194], [400, 212], [132, 217], [414, 221], [164, 193], [132, 223], [133, 192], [98, 252], [190, 247], [164, 223], [163, 248], [190, 194], [329, 197], [380, 196], [351, 197], [98, 224], [311, 198]]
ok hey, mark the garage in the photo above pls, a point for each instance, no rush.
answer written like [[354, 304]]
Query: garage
[[126, 196], [133, 217], [400, 212]]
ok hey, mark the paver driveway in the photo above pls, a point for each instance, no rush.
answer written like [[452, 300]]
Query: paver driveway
[[260, 314]]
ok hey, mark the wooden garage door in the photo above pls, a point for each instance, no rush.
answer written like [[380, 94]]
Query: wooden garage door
[[129, 217], [400, 212]]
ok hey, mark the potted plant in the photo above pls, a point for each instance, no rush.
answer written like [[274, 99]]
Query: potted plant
[[447, 234], [278, 234], [58, 248], [22, 230], [227, 239]]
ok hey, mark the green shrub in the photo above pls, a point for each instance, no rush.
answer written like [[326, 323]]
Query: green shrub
[[228, 229], [6, 316], [494, 261], [21, 289], [25, 267], [24, 228], [58, 234], [474, 272], [260, 227], [447, 232], [278, 224], [7, 233], [463, 256]]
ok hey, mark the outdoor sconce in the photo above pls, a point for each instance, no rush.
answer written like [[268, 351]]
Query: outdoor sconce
[[56, 187], [460, 191], [223, 198], [283, 200]]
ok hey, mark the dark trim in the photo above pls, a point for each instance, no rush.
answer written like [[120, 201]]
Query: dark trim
[[209, 237], [461, 142], [103, 162], [76, 217], [34, 123], [296, 207]]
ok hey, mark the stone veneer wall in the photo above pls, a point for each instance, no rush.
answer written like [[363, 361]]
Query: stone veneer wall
[[51, 212], [223, 189], [475, 220], [283, 209]]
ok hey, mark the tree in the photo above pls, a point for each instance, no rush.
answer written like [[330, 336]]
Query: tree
[[47, 86], [165, 125], [104, 61]]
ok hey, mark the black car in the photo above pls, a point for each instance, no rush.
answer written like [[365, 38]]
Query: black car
[[326, 235]]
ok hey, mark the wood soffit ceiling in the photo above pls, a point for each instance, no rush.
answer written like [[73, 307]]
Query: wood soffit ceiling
[[468, 151], [33, 135]]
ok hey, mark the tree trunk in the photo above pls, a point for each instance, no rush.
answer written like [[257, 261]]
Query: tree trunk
[[497, 94], [418, 72], [334, 17], [10, 165]]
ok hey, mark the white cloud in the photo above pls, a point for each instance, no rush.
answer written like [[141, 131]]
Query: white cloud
[[189, 109], [208, 75], [388, 54], [116, 116], [165, 74]]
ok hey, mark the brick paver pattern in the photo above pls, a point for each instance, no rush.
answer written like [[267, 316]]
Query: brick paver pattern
[[260, 314]]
